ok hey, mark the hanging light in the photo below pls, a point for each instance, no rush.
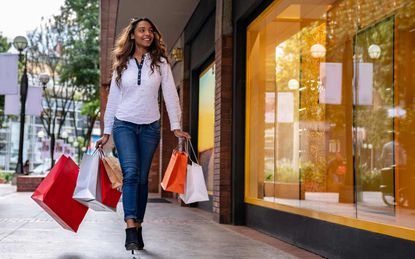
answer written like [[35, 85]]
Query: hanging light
[[293, 84], [318, 51], [374, 51], [177, 54]]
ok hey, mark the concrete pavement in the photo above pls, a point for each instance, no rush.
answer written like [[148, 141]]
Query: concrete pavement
[[170, 231]]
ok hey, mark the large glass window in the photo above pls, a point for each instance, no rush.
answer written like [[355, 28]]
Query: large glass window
[[330, 108], [206, 124]]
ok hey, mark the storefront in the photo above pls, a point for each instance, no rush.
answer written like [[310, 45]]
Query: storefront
[[199, 47], [328, 101], [302, 114]]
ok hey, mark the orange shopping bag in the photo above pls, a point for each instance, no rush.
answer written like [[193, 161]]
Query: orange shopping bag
[[175, 176]]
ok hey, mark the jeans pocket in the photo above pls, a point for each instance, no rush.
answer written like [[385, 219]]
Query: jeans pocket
[[155, 125], [116, 123]]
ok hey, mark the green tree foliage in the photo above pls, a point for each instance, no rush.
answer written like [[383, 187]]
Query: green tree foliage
[[81, 67], [66, 46], [4, 44]]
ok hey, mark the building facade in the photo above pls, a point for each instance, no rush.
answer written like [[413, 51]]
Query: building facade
[[36, 142], [302, 115]]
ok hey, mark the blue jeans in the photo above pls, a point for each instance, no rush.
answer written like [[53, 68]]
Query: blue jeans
[[135, 145]]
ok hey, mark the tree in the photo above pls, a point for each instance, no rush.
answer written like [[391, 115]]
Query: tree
[[81, 50], [4, 44], [45, 55], [67, 46]]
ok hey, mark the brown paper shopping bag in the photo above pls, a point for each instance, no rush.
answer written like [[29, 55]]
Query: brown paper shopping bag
[[113, 168]]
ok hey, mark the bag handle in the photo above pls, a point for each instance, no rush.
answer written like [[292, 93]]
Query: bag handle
[[100, 151], [189, 143], [181, 142]]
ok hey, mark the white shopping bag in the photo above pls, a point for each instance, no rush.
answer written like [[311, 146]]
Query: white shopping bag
[[87, 191], [195, 186]]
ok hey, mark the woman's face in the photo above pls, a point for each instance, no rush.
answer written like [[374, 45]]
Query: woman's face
[[143, 34]]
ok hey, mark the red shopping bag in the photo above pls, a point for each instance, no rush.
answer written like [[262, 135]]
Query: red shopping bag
[[109, 196], [175, 176], [54, 194]]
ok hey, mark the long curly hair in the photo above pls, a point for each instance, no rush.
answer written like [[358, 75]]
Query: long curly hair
[[125, 48]]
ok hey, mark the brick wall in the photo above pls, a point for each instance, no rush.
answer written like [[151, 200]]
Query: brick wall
[[222, 179], [108, 14], [167, 143], [28, 183]]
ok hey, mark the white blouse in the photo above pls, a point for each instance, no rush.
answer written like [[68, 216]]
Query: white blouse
[[139, 103]]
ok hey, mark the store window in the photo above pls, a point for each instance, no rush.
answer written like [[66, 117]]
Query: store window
[[206, 127], [330, 121]]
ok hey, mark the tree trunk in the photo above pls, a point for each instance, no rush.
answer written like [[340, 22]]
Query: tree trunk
[[52, 149], [90, 128]]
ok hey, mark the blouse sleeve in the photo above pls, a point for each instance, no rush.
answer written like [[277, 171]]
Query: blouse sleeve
[[170, 95], [112, 105]]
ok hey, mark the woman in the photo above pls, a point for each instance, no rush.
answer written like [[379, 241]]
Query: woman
[[132, 115]]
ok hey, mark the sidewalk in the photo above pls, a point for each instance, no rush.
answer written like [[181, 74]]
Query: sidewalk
[[170, 231]]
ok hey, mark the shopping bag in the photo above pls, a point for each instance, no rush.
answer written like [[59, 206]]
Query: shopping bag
[[108, 196], [113, 169], [86, 184], [175, 175], [195, 188], [54, 194]]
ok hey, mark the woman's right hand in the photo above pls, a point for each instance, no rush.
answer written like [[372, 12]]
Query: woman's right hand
[[102, 141]]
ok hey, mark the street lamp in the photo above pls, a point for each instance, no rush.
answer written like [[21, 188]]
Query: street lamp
[[44, 79], [20, 43]]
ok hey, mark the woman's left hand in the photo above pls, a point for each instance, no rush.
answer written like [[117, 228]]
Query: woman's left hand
[[181, 134]]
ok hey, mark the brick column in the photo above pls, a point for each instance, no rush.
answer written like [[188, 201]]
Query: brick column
[[167, 143], [222, 179], [108, 11]]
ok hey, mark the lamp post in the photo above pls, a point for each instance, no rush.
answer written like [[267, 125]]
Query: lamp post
[[20, 43], [44, 80]]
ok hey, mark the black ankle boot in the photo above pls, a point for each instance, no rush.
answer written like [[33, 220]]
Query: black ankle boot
[[140, 238], [131, 242]]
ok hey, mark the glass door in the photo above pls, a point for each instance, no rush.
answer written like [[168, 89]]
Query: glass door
[[373, 122]]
